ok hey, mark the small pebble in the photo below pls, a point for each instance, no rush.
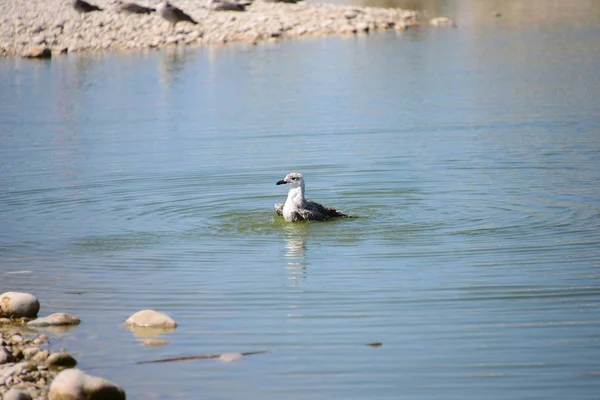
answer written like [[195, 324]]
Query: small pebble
[[229, 357], [16, 339]]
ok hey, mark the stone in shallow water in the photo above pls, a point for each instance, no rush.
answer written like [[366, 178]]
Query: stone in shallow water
[[150, 319], [441, 21], [229, 357], [18, 305], [56, 319], [74, 384]]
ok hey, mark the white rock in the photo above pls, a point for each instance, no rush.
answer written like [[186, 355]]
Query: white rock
[[150, 319], [74, 384], [18, 305], [16, 339], [14, 369], [229, 357], [29, 352], [41, 39], [441, 21]]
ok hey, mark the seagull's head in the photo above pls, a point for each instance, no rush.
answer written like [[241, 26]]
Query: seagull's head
[[293, 179]]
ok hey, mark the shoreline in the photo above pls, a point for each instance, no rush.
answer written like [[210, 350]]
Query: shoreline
[[27, 361], [57, 27]]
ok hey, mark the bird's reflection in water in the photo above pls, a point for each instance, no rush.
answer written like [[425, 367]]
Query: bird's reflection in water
[[173, 62], [295, 255]]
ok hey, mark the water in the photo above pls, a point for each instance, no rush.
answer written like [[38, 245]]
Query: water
[[470, 156]]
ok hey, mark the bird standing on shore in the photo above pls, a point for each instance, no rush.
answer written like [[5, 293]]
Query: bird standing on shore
[[83, 7], [283, 1], [298, 208], [133, 8], [225, 5], [173, 14]]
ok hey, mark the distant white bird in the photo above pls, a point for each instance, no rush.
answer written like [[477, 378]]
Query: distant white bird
[[84, 7], [298, 208], [225, 5], [173, 14]]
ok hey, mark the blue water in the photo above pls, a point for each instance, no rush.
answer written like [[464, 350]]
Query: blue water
[[470, 157]]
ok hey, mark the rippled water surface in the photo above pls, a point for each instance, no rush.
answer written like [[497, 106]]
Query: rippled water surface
[[470, 157]]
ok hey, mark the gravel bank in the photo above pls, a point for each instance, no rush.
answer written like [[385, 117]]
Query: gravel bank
[[55, 24], [25, 362]]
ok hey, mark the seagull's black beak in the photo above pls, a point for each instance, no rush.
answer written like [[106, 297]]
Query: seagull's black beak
[[281, 182]]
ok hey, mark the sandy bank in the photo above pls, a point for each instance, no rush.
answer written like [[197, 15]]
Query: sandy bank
[[56, 25]]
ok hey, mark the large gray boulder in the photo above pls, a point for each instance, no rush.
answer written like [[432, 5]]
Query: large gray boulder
[[74, 384], [18, 305]]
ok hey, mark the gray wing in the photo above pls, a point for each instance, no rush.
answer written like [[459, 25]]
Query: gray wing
[[181, 16], [229, 6], [279, 208], [83, 6], [297, 216], [318, 212], [133, 8]]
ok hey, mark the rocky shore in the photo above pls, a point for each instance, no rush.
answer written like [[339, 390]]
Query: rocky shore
[[54, 25], [29, 369], [26, 365]]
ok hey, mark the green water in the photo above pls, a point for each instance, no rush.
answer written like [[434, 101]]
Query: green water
[[469, 155]]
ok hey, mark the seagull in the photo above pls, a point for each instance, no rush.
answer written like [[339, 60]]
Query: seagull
[[173, 14], [133, 8], [298, 208], [84, 7], [225, 5], [283, 1]]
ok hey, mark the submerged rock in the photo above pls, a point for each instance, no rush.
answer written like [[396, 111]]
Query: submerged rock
[[56, 319], [18, 305], [442, 21], [74, 384], [150, 319]]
